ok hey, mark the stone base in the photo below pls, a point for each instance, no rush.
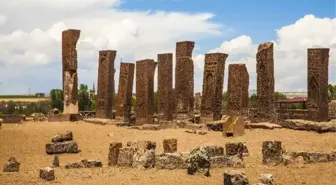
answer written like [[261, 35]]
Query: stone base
[[64, 117], [70, 109]]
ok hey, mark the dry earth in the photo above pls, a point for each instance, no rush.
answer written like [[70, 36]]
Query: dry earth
[[24, 99], [27, 143]]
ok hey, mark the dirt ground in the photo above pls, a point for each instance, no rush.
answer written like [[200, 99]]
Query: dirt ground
[[24, 99], [27, 142]]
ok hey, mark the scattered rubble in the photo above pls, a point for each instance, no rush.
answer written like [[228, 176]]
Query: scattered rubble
[[11, 165], [150, 127], [47, 174]]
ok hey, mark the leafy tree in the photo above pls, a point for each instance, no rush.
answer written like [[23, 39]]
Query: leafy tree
[[279, 96], [253, 100], [56, 96], [331, 92], [225, 97], [83, 97]]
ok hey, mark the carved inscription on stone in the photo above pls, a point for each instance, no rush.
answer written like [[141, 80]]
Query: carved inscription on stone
[[184, 78], [69, 70], [145, 91], [265, 79], [318, 62], [105, 84], [125, 90], [165, 86], [213, 81], [238, 85]]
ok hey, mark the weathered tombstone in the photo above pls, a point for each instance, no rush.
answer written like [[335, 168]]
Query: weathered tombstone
[[47, 174], [213, 81], [114, 153], [126, 76], [11, 165], [170, 145], [265, 80], [105, 93], [272, 152], [165, 86], [238, 85], [145, 91], [184, 79], [69, 70], [318, 61]]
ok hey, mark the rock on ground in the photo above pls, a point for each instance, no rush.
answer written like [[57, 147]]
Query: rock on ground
[[314, 157], [62, 137], [91, 163], [272, 152], [232, 149], [235, 178], [226, 161], [11, 165], [262, 125], [170, 145], [144, 159], [56, 162], [266, 179], [170, 161], [64, 147], [113, 153], [150, 127], [319, 127], [125, 157], [47, 174], [74, 165]]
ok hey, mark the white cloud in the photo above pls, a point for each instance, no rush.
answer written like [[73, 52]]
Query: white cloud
[[30, 40], [290, 52]]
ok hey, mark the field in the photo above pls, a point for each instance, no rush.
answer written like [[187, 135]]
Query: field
[[27, 143], [22, 98]]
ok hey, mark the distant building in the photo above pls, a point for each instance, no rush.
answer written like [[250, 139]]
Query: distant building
[[290, 95]]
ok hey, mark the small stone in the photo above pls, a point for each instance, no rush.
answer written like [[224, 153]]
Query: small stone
[[201, 133], [47, 174], [74, 165], [235, 178], [12, 165], [91, 163], [56, 162], [267, 179], [170, 145], [191, 131]]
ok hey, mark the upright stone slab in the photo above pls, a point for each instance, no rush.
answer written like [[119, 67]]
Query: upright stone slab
[[125, 89], [265, 80], [105, 84], [145, 91], [184, 79], [318, 61], [238, 85], [213, 81], [165, 86], [197, 101], [69, 70]]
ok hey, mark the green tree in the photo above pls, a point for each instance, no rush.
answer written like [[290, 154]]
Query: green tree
[[225, 97], [133, 102], [253, 100], [331, 92], [83, 97], [56, 96], [279, 96]]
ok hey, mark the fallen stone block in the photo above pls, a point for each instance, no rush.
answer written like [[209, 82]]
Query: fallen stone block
[[225, 161], [170, 161], [47, 174], [141, 145], [272, 152], [91, 163], [144, 159], [11, 165], [114, 153], [232, 149], [74, 165], [62, 137], [315, 157], [125, 157], [170, 145], [64, 147], [319, 127], [56, 162], [99, 121], [232, 177], [262, 125], [150, 127], [266, 179]]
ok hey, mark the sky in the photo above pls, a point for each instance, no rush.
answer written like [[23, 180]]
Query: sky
[[30, 37]]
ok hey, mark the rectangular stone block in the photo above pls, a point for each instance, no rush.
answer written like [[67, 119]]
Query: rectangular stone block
[[125, 89], [184, 78], [317, 103], [238, 85], [63, 147], [165, 86], [271, 152], [125, 157], [114, 153], [47, 174], [265, 79], [145, 91], [69, 70], [105, 91], [170, 145], [213, 81], [170, 161]]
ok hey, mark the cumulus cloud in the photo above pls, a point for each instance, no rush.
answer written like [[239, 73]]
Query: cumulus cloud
[[30, 40], [290, 52]]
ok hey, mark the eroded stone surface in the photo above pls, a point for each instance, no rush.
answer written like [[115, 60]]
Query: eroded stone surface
[[56, 162], [165, 86], [225, 161], [266, 179], [62, 137], [170, 161], [272, 152], [232, 177], [170, 145], [11, 165], [238, 149], [64, 147], [114, 153], [144, 159], [125, 157], [91, 163], [319, 127], [47, 174]]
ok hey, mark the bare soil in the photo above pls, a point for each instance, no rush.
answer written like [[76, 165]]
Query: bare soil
[[27, 142]]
